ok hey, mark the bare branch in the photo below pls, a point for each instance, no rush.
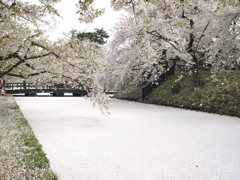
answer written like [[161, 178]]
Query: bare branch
[[159, 36], [36, 44]]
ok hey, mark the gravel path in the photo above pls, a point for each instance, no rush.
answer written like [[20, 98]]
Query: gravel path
[[135, 142]]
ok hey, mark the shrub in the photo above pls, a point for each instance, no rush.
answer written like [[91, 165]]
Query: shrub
[[176, 88]]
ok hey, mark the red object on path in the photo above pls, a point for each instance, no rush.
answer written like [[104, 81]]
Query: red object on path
[[1, 83]]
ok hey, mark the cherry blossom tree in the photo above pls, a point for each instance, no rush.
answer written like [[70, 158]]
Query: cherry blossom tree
[[76, 61], [147, 41], [87, 12], [21, 36], [26, 52], [195, 32], [131, 59]]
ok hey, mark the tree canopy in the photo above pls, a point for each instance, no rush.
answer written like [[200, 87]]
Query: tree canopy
[[147, 41], [26, 52], [155, 34]]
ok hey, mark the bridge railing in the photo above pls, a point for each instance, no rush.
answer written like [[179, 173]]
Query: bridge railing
[[15, 86], [59, 86], [21, 86]]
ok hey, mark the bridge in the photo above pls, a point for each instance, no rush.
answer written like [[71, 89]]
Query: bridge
[[30, 89]]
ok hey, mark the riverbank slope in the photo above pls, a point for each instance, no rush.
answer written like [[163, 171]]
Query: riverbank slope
[[216, 93]]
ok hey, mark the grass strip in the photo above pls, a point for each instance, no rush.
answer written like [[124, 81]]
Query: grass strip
[[22, 155]]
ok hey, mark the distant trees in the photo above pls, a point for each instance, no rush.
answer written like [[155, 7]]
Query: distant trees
[[98, 36]]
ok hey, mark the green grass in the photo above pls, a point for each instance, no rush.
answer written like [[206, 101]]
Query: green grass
[[33, 155], [216, 93], [26, 152], [131, 92]]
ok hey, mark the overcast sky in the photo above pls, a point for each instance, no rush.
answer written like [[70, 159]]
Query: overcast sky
[[70, 21]]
